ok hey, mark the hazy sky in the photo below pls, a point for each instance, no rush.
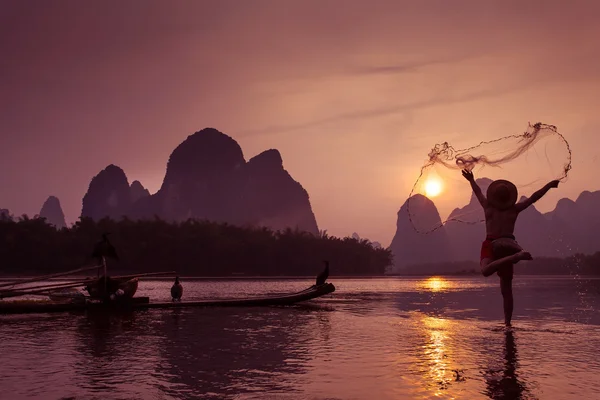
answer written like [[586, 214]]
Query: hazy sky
[[353, 93]]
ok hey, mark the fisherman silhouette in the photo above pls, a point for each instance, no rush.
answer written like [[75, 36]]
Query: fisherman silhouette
[[104, 249], [500, 250]]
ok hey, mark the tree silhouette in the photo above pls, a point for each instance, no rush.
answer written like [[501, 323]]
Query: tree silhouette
[[192, 248]]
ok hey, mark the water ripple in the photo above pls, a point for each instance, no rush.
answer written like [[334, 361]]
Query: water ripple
[[373, 338]]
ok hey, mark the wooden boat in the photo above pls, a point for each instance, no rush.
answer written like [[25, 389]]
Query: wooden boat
[[66, 295], [115, 293], [141, 303], [277, 300]]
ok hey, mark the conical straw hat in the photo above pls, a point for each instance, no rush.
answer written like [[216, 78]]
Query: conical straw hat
[[502, 194]]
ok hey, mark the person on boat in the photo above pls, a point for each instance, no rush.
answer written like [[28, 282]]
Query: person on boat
[[104, 249], [499, 250], [176, 290], [96, 287]]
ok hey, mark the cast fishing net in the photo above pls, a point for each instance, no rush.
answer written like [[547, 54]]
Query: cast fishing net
[[529, 160]]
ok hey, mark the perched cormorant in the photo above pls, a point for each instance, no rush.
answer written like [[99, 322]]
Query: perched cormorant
[[176, 290], [104, 249], [322, 277]]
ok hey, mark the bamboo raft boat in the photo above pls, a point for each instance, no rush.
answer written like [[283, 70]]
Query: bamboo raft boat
[[117, 293], [143, 303]]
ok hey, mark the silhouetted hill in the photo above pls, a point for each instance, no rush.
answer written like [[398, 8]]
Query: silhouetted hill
[[571, 228], [536, 233], [200, 180], [138, 191], [410, 247], [53, 213], [577, 223], [272, 197], [108, 195], [207, 178]]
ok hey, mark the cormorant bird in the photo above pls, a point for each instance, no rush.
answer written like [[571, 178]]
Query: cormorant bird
[[176, 290], [104, 249], [322, 277]]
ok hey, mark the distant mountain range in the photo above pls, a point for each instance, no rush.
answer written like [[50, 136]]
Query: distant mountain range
[[571, 228], [207, 178]]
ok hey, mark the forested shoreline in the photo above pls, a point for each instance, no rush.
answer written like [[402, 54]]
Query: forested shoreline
[[30, 246], [192, 248]]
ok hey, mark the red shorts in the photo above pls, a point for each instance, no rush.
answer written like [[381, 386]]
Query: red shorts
[[487, 251]]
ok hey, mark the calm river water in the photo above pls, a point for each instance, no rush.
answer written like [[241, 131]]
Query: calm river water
[[388, 338]]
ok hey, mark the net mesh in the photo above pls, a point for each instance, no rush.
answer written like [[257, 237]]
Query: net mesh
[[529, 160]]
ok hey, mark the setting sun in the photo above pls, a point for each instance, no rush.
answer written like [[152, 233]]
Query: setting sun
[[433, 187]]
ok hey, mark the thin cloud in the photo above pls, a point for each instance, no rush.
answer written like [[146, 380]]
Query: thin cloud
[[372, 70], [533, 81], [382, 111], [410, 66]]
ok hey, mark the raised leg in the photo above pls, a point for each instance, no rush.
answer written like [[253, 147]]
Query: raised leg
[[506, 289], [489, 266]]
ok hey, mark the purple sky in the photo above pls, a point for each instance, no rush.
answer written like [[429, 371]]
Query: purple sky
[[353, 93]]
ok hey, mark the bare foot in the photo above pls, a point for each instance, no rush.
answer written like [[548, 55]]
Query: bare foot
[[523, 255]]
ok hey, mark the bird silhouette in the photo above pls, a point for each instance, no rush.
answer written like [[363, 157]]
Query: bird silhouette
[[176, 290], [104, 249], [322, 277]]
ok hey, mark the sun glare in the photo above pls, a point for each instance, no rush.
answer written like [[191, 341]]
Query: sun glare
[[435, 284], [433, 187]]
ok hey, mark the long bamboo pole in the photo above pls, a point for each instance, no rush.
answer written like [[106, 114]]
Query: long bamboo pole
[[41, 278], [82, 281], [49, 286], [142, 275], [105, 276], [38, 291]]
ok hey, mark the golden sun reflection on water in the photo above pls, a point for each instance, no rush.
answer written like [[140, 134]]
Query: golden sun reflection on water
[[435, 284], [435, 351]]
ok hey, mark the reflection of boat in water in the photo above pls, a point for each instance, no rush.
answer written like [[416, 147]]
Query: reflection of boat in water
[[137, 303]]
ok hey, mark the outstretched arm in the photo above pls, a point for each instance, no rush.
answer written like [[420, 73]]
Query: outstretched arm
[[476, 189], [536, 196]]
